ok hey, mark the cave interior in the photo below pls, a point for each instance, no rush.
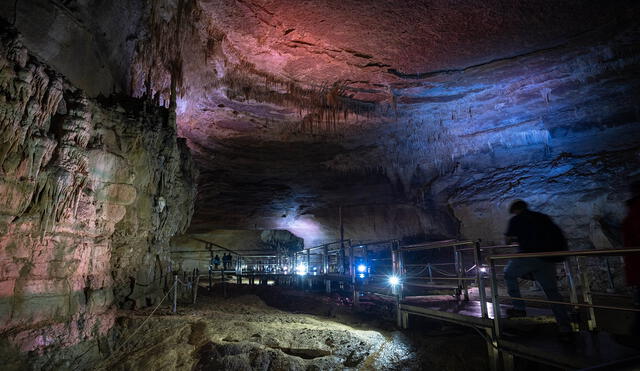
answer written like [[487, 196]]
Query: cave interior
[[141, 139]]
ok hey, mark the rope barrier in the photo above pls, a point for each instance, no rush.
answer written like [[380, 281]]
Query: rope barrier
[[141, 325]]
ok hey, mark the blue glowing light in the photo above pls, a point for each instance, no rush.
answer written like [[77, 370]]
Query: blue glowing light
[[362, 268]]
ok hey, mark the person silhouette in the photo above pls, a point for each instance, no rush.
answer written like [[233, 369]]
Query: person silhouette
[[535, 232], [631, 239]]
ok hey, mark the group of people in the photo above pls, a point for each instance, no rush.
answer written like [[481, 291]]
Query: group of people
[[536, 232], [227, 262]]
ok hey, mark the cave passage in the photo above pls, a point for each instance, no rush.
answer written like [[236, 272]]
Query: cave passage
[[311, 185]]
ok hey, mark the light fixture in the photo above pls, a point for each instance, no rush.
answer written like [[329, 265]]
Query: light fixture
[[362, 268], [483, 269], [394, 280], [361, 275], [301, 269]]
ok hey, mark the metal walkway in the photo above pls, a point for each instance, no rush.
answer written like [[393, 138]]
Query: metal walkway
[[471, 279], [585, 349]]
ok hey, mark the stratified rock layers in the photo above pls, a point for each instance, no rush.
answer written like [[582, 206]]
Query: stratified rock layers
[[90, 193]]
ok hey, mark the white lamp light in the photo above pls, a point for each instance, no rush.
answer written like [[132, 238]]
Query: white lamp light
[[394, 280]]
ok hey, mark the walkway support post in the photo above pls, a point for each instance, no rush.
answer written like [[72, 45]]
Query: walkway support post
[[210, 279], [342, 255], [352, 274], [395, 289], [401, 274], [477, 260], [195, 288], [587, 297], [325, 259], [459, 267], [175, 293], [308, 275], [224, 283], [495, 302]]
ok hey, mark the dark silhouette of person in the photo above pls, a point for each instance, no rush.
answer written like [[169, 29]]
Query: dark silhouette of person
[[226, 261], [535, 232], [631, 239], [216, 261]]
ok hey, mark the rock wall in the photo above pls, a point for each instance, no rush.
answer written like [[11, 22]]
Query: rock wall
[[90, 193], [558, 128]]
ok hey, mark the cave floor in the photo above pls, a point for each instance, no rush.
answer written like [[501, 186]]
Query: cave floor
[[283, 329]]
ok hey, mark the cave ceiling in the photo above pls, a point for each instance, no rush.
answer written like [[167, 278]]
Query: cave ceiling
[[292, 108]]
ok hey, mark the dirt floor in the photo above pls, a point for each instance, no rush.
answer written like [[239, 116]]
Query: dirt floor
[[276, 328]]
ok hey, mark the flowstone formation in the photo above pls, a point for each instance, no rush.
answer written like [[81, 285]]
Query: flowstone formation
[[91, 190]]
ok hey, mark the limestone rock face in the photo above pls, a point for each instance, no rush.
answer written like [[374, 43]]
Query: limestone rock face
[[90, 193]]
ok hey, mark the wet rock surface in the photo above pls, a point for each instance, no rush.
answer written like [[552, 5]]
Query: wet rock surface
[[243, 333]]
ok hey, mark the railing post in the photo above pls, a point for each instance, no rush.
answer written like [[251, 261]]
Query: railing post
[[210, 278], [457, 256], [367, 264], [224, 282], [195, 288], [401, 274], [352, 268], [457, 270], [586, 295], [465, 286], [494, 300], [394, 266], [396, 290], [477, 257], [612, 285], [430, 272], [325, 259], [175, 293], [573, 295]]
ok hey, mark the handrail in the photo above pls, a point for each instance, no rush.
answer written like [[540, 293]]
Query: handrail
[[597, 252], [491, 247], [215, 244], [583, 305], [381, 242], [326, 244], [434, 245], [495, 297], [203, 251]]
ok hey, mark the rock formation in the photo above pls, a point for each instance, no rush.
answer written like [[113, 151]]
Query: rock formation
[[91, 190]]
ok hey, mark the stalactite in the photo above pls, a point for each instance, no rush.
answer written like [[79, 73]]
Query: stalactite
[[321, 108]]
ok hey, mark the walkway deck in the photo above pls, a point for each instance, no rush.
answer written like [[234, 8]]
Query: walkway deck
[[585, 350]]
